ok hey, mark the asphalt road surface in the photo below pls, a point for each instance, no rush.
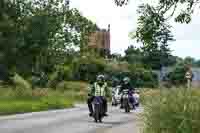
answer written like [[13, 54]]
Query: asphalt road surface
[[74, 120]]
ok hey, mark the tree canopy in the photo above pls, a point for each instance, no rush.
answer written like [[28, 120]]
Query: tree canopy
[[185, 8], [153, 29], [37, 35]]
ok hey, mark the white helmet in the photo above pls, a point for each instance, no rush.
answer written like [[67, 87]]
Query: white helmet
[[100, 78], [126, 80]]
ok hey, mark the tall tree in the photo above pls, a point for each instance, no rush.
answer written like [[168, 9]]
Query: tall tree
[[154, 33], [152, 24], [185, 8], [37, 34]]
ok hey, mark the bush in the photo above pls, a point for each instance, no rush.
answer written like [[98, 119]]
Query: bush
[[177, 76], [54, 79], [74, 89], [172, 111], [142, 77], [40, 92], [21, 82], [22, 87], [72, 86], [87, 69]]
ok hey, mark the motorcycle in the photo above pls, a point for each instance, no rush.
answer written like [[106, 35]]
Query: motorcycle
[[127, 101], [98, 109], [116, 96]]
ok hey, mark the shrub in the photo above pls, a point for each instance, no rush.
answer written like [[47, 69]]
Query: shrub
[[87, 69], [67, 72], [142, 77], [177, 75], [21, 82], [40, 92], [72, 86], [22, 87], [74, 89], [172, 111], [63, 73], [54, 79]]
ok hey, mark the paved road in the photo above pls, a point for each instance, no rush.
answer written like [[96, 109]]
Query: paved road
[[74, 120]]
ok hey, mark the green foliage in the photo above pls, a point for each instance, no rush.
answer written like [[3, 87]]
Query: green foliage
[[54, 79], [39, 99], [134, 55], [177, 75], [197, 63], [36, 36], [143, 78], [113, 68], [63, 72], [154, 33], [88, 68], [152, 60], [22, 87], [140, 77], [170, 7], [76, 90], [19, 105], [172, 111], [72, 86], [189, 61]]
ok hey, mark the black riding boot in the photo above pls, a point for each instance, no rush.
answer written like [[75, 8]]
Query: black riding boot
[[89, 102], [105, 104]]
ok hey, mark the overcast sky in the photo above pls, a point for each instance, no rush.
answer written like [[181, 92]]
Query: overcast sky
[[123, 20]]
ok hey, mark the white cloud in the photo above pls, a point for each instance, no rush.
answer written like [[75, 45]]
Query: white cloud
[[124, 19]]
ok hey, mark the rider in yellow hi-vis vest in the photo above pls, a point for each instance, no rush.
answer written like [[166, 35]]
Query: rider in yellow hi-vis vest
[[99, 88]]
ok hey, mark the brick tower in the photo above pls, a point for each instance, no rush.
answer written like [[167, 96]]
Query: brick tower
[[99, 41]]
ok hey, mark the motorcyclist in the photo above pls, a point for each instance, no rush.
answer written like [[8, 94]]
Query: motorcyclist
[[126, 85], [99, 88]]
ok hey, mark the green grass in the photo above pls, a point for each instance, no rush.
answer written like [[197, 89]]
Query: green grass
[[21, 100], [13, 106], [12, 103], [171, 111]]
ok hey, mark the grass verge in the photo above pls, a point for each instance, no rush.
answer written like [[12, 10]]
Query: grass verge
[[14, 106], [22, 100], [171, 111]]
